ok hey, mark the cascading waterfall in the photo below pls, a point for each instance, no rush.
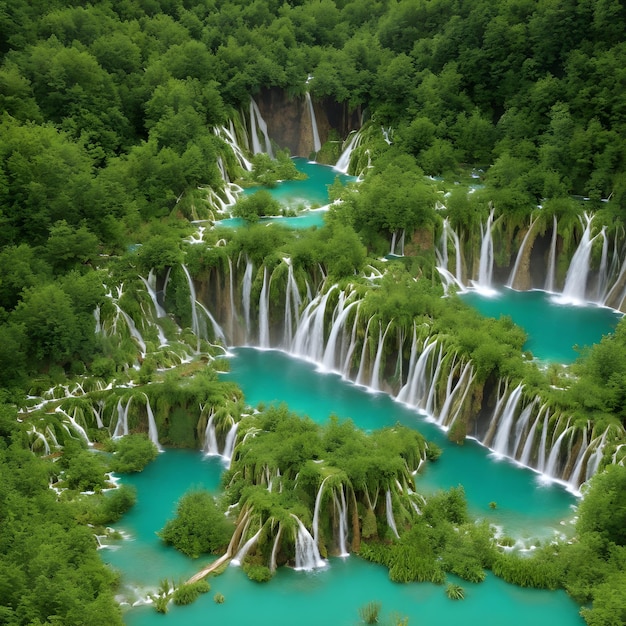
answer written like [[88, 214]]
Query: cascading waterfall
[[603, 273], [391, 522], [241, 555], [75, 426], [520, 255], [317, 145], [229, 136], [210, 438], [343, 163], [503, 433], [551, 468], [229, 443], [316, 509], [150, 284], [485, 267], [121, 427], [342, 509], [331, 331], [153, 433], [264, 324], [575, 288], [375, 382], [307, 554], [246, 291], [258, 126]]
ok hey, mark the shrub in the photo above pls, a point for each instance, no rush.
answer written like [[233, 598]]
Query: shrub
[[369, 613], [187, 593]]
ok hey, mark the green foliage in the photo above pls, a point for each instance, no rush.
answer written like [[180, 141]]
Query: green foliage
[[132, 453], [257, 573], [49, 565], [369, 612], [259, 204], [199, 526], [455, 592], [267, 171], [218, 598], [189, 592]]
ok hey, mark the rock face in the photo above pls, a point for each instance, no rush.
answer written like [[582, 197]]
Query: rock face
[[289, 122]]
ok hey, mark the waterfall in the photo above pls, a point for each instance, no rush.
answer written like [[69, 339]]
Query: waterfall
[[530, 438], [217, 329], [246, 290], [549, 284], [228, 135], [229, 444], [134, 333], [342, 508], [521, 427], [150, 284], [375, 382], [241, 555], [231, 296], [153, 433], [391, 522], [578, 465], [443, 419], [541, 455], [343, 163], [501, 442], [195, 324], [317, 145], [603, 278], [293, 301], [258, 125], [551, 469], [485, 268], [121, 427], [264, 326], [574, 290], [39, 436], [76, 426], [520, 255], [275, 548], [316, 510], [307, 554], [210, 437], [360, 377], [309, 342], [330, 357], [443, 258], [417, 385]]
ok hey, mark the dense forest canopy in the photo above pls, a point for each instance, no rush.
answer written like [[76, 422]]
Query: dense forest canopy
[[111, 140]]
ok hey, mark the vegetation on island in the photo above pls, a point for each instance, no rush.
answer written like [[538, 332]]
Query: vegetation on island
[[116, 128]]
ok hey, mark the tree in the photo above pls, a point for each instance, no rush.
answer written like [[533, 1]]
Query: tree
[[199, 526], [259, 204]]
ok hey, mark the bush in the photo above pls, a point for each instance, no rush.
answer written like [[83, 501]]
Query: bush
[[188, 593], [370, 612], [133, 453], [258, 573], [199, 526]]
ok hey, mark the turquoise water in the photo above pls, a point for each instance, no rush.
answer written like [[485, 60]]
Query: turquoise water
[[553, 329], [526, 508], [299, 195]]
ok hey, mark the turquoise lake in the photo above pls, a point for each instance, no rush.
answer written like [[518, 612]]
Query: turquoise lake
[[300, 195], [556, 332], [527, 509]]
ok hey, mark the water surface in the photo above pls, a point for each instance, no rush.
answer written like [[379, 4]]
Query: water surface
[[556, 332]]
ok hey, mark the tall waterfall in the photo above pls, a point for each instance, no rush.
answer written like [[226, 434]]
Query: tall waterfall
[[485, 268], [153, 433], [520, 255], [343, 163], [264, 324], [317, 145], [391, 522], [575, 288], [307, 554], [258, 131]]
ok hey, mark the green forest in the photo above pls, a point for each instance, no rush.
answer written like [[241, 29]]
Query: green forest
[[115, 122]]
